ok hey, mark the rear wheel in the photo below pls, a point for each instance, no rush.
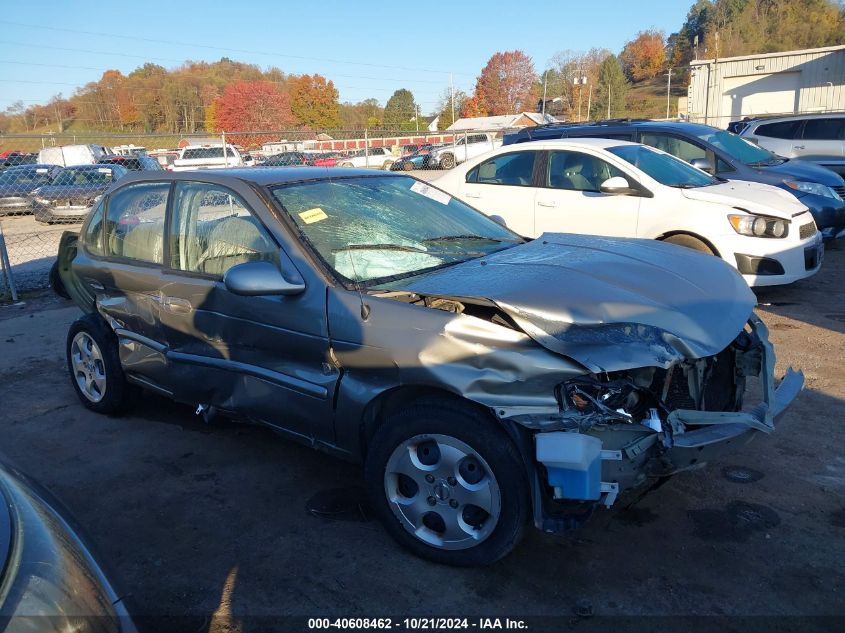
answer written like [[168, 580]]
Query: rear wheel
[[448, 484], [447, 161], [408, 166], [688, 241], [94, 366]]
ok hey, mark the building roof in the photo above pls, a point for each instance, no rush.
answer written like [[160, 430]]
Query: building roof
[[499, 122], [806, 51]]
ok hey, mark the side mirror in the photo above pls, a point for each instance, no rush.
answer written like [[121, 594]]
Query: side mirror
[[253, 279], [498, 219], [617, 186], [703, 164]]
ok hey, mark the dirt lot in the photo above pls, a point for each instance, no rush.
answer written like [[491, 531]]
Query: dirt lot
[[199, 520]]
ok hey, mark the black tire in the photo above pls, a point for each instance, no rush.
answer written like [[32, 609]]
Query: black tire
[[116, 394], [56, 282], [688, 241], [447, 161], [487, 440]]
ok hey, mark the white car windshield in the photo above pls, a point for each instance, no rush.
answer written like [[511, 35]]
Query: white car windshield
[[664, 168], [372, 229]]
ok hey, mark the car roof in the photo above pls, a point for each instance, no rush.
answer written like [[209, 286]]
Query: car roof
[[794, 117], [593, 141], [262, 176], [32, 166], [681, 126]]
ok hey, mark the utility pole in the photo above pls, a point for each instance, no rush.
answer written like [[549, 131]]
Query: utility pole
[[589, 100], [668, 89], [452, 94], [545, 74], [609, 95]]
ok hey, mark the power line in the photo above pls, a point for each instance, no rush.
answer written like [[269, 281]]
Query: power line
[[219, 48]]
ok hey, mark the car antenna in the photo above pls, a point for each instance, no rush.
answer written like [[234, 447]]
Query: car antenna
[[365, 309]]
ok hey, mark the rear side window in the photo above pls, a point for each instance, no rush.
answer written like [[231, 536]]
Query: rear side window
[[824, 129], [212, 230], [135, 224], [508, 169], [783, 129]]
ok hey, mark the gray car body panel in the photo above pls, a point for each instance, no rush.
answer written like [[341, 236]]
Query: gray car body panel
[[608, 303]]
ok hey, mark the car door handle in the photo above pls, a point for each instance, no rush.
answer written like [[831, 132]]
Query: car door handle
[[473, 194], [174, 305], [797, 147], [546, 203]]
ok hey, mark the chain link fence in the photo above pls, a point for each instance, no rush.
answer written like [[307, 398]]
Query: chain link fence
[[49, 183]]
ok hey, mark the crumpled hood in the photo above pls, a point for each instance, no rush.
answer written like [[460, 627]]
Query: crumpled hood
[[751, 196], [608, 303]]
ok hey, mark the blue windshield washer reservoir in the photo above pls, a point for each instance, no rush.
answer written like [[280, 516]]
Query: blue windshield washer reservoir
[[573, 462]]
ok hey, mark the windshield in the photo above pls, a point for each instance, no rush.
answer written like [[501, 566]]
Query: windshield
[[25, 177], [664, 168], [84, 177], [194, 153], [371, 229], [738, 148]]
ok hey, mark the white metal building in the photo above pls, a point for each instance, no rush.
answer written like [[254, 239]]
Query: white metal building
[[727, 89]]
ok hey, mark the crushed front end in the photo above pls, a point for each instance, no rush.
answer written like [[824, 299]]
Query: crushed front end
[[624, 430]]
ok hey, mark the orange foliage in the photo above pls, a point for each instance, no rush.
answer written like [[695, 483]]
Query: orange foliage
[[644, 56]]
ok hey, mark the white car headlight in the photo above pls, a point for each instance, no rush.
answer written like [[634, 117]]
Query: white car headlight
[[812, 187], [759, 225]]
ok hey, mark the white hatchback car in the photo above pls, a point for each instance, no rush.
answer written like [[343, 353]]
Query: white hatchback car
[[618, 188]]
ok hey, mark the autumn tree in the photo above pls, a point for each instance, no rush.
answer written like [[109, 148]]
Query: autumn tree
[[569, 79], [364, 114], [400, 110], [609, 97], [313, 101], [644, 56], [252, 105], [473, 107], [445, 107], [507, 84]]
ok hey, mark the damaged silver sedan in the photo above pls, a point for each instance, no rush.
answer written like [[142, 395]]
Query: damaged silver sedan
[[485, 381]]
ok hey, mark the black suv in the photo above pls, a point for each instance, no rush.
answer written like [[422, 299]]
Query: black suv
[[734, 158]]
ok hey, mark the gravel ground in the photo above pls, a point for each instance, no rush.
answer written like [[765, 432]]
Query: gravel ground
[[201, 520]]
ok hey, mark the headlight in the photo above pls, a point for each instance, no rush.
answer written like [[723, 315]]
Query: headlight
[[759, 225], [812, 187], [43, 201]]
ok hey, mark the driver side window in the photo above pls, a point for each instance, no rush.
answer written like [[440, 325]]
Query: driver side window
[[678, 147], [212, 230]]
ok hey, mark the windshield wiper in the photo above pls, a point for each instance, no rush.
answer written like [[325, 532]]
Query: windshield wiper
[[379, 247], [461, 238]]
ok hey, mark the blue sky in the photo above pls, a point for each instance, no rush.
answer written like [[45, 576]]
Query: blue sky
[[369, 49]]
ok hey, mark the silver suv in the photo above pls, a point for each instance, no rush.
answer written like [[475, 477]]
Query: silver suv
[[816, 137]]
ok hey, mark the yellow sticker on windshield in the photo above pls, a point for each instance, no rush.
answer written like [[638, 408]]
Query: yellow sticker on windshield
[[313, 215]]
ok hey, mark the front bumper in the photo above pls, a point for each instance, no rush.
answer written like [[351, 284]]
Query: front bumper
[[828, 213], [779, 262], [633, 454]]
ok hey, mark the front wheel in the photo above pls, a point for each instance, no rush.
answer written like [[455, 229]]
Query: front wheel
[[448, 484], [447, 161], [688, 241]]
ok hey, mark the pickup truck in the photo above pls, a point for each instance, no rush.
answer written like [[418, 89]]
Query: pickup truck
[[464, 148], [207, 157]]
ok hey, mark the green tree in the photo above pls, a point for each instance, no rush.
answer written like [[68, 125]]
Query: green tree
[[609, 96], [444, 107], [400, 110]]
